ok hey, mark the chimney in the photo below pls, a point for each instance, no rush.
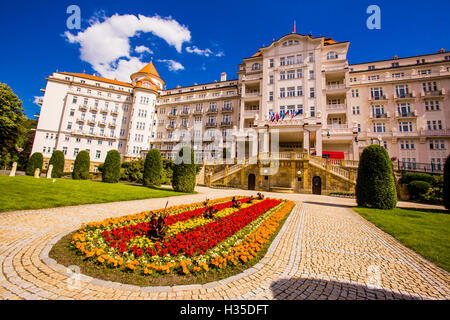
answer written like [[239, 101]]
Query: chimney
[[223, 76]]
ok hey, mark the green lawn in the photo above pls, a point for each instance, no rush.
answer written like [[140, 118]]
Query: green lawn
[[427, 232], [24, 192]]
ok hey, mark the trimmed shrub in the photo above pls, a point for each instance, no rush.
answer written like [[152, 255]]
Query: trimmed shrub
[[446, 187], [132, 171], [36, 161], [434, 195], [167, 172], [408, 177], [375, 186], [152, 168], [418, 188], [111, 169], [81, 166], [57, 160], [184, 174]]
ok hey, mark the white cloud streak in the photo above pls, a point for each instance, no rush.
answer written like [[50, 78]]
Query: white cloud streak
[[172, 65], [106, 44]]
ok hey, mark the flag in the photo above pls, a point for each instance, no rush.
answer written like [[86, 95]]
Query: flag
[[292, 114], [277, 117], [283, 114], [298, 112]]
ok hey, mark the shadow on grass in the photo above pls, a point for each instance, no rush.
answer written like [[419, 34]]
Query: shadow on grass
[[315, 289]]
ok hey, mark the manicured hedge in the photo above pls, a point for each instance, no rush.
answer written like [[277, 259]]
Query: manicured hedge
[[111, 168], [57, 160], [81, 166], [36, 161], [417, 176], [132, 170], [418, 188], [375, 185], [152, 168], [447, 183], [184, 174]]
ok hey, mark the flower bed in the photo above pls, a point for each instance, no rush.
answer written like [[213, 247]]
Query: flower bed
[[193, 242]]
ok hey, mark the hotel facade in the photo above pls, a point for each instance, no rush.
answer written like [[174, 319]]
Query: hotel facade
[[300, 87]]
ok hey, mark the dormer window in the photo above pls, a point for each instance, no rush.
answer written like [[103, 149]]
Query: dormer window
[[256, 66], [332, 55]]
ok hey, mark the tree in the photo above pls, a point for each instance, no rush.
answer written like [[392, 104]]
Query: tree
[[36, 161], [12, 127], [184, 171], [57, 160], [111, 168], [153, 168], [447, 183], [375, 185], [26, 142], [81, 166]]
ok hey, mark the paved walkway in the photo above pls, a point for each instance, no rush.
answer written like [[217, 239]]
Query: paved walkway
[[324, 251]]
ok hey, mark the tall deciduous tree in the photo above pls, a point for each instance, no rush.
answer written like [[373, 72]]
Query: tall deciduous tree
[[12, 127]]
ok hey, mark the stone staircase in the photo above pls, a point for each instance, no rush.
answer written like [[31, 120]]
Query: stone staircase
[[333, 168]]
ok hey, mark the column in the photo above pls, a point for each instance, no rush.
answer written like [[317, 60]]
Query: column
[[319, 142], [306, 141]]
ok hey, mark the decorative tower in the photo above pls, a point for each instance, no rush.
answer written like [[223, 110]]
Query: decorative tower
[[142, 125]]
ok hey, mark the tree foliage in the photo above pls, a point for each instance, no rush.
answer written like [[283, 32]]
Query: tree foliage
[[12, 126], [375, 185], [153, 168], [57, 160], [36, 161], [446, 189], [111, 168], [81, 166], [184, 171]]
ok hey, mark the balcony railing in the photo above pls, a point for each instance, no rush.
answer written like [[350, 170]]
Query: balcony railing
[[210, 124], [409, 114], [336, 86], [383, 115], [212, 110], [227, 109], [420, 167], [336, 107], [226, 123], [434, 93], [185, 112], [407, 95], [380, 97]]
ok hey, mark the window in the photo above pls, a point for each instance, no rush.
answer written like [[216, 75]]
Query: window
[[282, 61], [98, 154], [429, 86], [271, 63], [291, 92], [64, 150], [437, 144], [311, 92], [300, 91], [311, 57], [398, 75], [434, 125], [282, 93], [402, 90], [300, 108], [373, 78], [371, 67], [405, 126], [376, 93], [395, 64], [355, 93], [291, 74], [256, 66], [379, 127], [404, 109], [432, 105], [75, 152], [311, 74], [332, 55], [270, 79], [282, 75], [271, 96], [66, 138], [312, 110], [290, 60], [69, 125], [299, 58], [355, 109], [72, 112], [299, 73]]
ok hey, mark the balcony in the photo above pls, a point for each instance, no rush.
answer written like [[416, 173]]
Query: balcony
[[198, 111], [170, 127], [93, 108], [435, 133], [434, 93], [211, 111], [378, 98], [185, 112], [407, 114], [226, 124], [81, 120], [104, 110], [172, 114], [379, 116], [210, 124], [336, 87], [112, 125], [227, 109], [254, 94], [408, 95], [91, 121], [336, 108], [102, 123], [83, 107], [115, 112]]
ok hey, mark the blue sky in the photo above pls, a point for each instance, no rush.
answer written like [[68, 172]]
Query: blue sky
[[194, 41]]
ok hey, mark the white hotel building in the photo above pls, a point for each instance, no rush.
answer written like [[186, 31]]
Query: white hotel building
[[400, 103]]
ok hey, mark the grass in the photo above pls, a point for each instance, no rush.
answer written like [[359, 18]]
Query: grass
[[24, 192], [427, 232], [62, 253]]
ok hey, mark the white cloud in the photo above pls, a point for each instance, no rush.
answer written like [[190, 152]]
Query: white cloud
[[142, 49], [220, 54], [172, 65], [106, 44], [202, 52]]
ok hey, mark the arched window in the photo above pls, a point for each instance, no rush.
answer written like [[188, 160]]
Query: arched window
[[332, 55], [256, 66]]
